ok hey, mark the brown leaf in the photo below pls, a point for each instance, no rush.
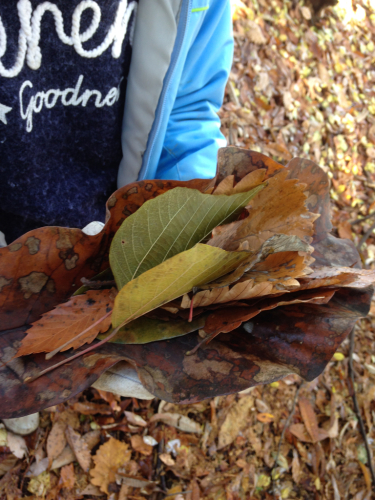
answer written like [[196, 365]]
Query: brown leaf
[[345, 230], [86, 408], [255, 33], [278, 149], [92, 438], [66, 457], [139, 445], [79, 447], [167, 459], [240, 162], [296, 467], [135, 419], [181, 422], [235, 421], [56, 440], [108, 459], [300, 431], [67, 477], [229, 318], [278, 243], [67, 320], [311, 423], [278, 209], [250, 181], [274, 274], [346, 277], [280, 268]]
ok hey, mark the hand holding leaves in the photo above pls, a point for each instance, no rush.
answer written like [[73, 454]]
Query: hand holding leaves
[[265, 236]]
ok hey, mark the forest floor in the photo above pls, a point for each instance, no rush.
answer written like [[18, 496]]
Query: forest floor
[[299, 86]]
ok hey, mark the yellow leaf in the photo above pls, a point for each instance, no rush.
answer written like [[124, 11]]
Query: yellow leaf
[[338, 356], [108, 459], [40, 485], [171, 279]]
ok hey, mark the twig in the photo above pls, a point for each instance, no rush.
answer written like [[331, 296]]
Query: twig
[[352, 393], [96, 285], [361, 219], [51, 354], [366, 236], [287, 424]]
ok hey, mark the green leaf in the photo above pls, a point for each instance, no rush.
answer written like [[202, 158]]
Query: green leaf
[[144, 330], [167, 225], [171, 279]]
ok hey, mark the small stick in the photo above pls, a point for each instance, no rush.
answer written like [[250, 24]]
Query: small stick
[[366, 236], [206, 340], [287, 424], [89, 349], [357, 410], [97, 284], [51, 354], [357, 221]]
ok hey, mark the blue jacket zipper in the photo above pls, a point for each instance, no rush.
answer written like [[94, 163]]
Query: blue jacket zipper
[[181, 31]]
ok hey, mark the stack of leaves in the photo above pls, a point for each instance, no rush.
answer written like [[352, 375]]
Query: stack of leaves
[[208, 256]]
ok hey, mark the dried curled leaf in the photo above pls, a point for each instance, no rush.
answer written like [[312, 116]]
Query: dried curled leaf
[[275, 274], [278, 209], [274, 245]]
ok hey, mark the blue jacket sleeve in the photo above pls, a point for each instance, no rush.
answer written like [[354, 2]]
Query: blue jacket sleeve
[[193, 135]]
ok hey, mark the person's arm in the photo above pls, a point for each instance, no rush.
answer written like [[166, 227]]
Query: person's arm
[[193, 134]]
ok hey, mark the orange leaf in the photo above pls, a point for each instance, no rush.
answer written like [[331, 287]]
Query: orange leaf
[[67, 477], [366, 475], [265, 418], [67, 320], [139, 445], [108, 459]]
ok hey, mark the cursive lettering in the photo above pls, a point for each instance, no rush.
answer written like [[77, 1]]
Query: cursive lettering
[[68, 97]]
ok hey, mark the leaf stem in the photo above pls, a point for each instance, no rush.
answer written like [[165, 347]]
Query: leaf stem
[[68, 360], [191, 310], [50, 355]]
